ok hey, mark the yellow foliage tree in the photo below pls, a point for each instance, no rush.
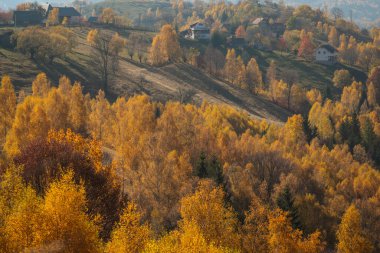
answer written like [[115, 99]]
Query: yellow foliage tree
[[231, 67], [351, 97], [41, 85], [206, 208], [350, 235], [319, 117], [278, 91], [158, 181], [53, 17], [368, 56], [314, 96], [333, 37], [7, 108], [77, 111], [170, 45], [30, 122], [100, 112], [188, 239], [129, 235], [241, 74], [165, 46], [156, 56], [284, 239], [22, 225], [57, 109], [12, 190], [294, 135], [65, 219], [64, 87], [108, 16], [254, 76], [255, 229], [371, 94]]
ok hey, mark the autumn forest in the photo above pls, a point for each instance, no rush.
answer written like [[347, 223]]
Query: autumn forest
[[86, 169]]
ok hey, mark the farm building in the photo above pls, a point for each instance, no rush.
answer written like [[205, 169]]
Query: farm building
[[199, 31], [26, 18], [65, 12], [326, 54]]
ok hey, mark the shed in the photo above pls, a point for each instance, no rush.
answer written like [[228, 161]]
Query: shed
[[25, 18]]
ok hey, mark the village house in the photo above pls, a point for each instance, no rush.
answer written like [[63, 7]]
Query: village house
[[198, 31], [37, 17], [326, 54], [27, 18], [72, 15]]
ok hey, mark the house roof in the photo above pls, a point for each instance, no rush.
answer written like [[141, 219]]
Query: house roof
[[198, 26], [329, 48], [68, 12], [92, 19], [257, 21], [47, 7], [192, 25]]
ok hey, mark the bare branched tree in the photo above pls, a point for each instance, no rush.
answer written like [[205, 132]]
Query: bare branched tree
[[185, 95]]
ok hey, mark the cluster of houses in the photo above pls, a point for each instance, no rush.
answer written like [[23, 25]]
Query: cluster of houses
[[38, 17], [324, 54]]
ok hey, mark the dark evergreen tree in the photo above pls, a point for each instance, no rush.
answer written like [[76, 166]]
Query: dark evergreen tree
[[215, 169], [201, 168], [368, 136], [376, 153], [328, 93], [285, 202], [350, 131], [217, 39], [310, 132]]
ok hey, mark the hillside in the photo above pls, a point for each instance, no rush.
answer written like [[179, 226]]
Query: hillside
[[309, 74], [130, 8], [168, 82], [364, 12], [161, 84]]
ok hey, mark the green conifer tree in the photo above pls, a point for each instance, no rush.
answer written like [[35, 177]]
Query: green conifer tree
[[201, 168], [285, 202]]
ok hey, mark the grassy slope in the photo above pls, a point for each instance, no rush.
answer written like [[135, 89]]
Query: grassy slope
[[161, 83], [131, 8], [310, 74], [23, 70], [134, 78]]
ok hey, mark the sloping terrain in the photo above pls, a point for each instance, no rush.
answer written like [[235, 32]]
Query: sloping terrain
[[169, 81], [161, 84], [364, 12]]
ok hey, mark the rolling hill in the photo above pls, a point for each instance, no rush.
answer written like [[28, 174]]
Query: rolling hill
[[364, 12], [161, 84], [166, 82]]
